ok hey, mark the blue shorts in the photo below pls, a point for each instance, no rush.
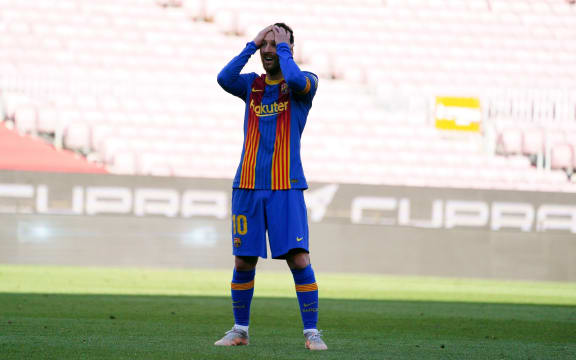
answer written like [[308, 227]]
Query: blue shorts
[[280, 212]]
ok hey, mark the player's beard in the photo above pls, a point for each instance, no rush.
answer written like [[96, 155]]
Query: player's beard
[[272, 69]]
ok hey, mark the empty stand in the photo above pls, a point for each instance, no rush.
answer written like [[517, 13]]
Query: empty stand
[[132, 84], [29, 153]]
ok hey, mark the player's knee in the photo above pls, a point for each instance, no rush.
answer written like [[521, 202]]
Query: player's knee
[[245, 263], [298, 260]]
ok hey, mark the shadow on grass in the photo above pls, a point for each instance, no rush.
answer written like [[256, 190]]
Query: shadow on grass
[[61, 326]]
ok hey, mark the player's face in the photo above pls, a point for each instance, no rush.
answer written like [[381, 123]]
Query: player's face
[[268, 54]]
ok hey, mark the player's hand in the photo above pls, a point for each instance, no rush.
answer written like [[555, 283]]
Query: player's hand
[[261, 35], [281, 35]]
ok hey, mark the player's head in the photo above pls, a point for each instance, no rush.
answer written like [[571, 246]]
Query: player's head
[[289, 29], [268, 50]]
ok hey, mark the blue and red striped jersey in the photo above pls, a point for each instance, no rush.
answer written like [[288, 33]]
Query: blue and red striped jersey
[[274, 119]]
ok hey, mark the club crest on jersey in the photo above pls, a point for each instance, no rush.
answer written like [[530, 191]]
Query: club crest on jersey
[[237, 242], [284, 88]]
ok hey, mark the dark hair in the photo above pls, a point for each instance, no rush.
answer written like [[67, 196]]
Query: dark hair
[[287, 28]]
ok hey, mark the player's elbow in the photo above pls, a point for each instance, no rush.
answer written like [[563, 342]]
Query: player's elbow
[[221, 79]]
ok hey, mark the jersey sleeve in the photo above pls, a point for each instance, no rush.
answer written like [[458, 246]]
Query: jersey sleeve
[[230, 78], [311, 86], [302, 83]]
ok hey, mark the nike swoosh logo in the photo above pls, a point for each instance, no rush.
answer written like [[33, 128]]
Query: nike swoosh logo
[[299, 238], [312, 303], [255, 90]]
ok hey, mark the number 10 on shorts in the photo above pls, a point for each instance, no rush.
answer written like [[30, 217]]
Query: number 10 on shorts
[[239, 225]]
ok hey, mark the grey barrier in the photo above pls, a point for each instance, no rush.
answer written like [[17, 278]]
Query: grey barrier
[[112, 220]]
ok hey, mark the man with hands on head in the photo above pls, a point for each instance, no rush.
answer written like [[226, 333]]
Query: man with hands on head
[[267, 195]]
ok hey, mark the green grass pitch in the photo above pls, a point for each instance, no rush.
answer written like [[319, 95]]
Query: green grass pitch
[[102, 313]]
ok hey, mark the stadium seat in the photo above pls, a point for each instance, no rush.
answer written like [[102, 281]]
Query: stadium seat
[[26, 118], [533, 141], [510, 141], [48, 119], [150, 163], [123, 162], [12, 101], [561, 156], [77, 137], [554, 137]]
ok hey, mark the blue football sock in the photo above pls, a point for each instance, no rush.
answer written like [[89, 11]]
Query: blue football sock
[[242, 291], [307, 292]]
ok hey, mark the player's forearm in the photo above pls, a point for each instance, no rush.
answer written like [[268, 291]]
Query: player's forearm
[[292, 74], [229, 77]]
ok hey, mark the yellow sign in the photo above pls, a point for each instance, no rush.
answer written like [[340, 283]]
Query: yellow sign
[[456, 113]]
